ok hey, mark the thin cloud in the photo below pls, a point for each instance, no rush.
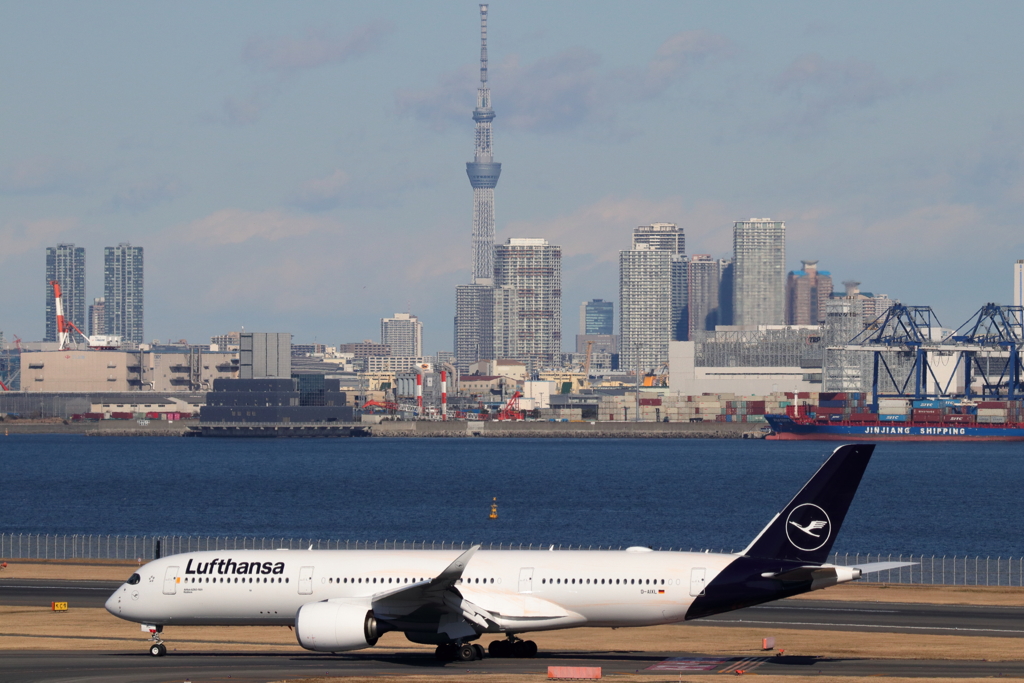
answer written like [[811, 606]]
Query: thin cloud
[[235, 226], [567, 90], [31, 236], [321, 194], [147, 194], [42, 175], [317, 47], [820, 87]]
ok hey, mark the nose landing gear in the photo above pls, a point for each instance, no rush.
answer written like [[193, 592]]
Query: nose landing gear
[[157, 649]]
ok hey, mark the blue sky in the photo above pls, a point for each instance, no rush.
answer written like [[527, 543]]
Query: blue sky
[[300, 166]]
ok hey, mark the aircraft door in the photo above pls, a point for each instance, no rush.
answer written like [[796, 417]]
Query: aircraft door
[[306, 581], [697, 579], [170, 580], [526, 580]]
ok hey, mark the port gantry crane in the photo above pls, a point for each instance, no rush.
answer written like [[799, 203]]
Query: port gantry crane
[[986, 347]]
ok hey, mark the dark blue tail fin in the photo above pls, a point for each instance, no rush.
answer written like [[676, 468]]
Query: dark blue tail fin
[[806, 528]]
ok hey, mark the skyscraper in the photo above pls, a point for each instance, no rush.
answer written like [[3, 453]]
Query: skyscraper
[[807, 290], [65, 263], [759, 272], [483, 172], [403, 333], [705, 277], [532, 269], [645, 307], [97, 317], [475, 322], [671, 238], [597, 317], [122, 292], [1018, 283]]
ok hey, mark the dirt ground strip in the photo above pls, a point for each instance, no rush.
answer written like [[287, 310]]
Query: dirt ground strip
[[624, 677]]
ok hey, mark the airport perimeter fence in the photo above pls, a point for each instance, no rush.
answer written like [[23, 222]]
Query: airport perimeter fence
[[947, 570]]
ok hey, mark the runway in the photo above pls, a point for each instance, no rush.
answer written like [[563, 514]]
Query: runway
[[128, 666], [111, 667]]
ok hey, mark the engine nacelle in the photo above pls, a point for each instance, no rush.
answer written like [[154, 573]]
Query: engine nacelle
[[336, 626]]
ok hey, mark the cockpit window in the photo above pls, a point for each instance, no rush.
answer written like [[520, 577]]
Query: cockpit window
[[134, 579]]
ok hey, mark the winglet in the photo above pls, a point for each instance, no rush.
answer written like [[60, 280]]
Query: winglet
[[453, 572]]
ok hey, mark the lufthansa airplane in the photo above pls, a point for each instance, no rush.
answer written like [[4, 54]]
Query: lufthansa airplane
[[340, 600]]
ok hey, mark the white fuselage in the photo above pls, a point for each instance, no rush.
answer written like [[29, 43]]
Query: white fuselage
[[547, 589]]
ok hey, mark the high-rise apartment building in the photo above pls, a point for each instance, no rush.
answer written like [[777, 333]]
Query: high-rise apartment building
[[663, 236], [671, 238], [474, 323], [597, 316], [645, 307], [759, 272], [705, 279], [1018, 283], [65, 263], [807, 291], [122, 292], [403, 333], [532, 269], [97, 317]]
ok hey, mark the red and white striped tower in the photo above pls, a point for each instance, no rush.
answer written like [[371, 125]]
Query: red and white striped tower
[[62, 328], [419, 392], [444, 395]]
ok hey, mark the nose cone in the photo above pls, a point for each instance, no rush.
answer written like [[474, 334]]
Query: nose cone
[[113, 603]]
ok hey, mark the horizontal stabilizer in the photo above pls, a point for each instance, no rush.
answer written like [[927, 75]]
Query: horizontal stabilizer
[[872, 567]]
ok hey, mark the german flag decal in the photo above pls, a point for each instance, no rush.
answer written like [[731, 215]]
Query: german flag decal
[[660, 592]]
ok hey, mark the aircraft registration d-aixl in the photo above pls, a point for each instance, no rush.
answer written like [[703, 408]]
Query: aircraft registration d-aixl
[[341, 600]]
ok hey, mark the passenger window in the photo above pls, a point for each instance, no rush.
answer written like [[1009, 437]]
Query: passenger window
[[134, 579], [632, 581], [588, 582], [492, 580]]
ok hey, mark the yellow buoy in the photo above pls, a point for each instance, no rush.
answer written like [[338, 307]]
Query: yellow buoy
[[494, 509]]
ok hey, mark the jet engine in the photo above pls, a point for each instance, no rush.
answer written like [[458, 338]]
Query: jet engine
[[336, 626]]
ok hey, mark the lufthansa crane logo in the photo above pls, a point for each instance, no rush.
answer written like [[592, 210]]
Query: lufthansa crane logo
[[808, 527]]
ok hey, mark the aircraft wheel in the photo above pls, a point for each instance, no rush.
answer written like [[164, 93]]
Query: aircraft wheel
[[479, 650], [531, 649], [466, 653], [158, 649], [445, 653], [520, 649], [500, 649]]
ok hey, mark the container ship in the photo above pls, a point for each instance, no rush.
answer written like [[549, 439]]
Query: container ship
[[846, 417]]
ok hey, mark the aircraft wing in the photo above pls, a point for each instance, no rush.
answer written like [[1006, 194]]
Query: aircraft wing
[[464, 610]]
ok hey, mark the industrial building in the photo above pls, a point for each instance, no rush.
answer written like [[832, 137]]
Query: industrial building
[[264, 355], [759, 272], [123, 293], [276, 400]]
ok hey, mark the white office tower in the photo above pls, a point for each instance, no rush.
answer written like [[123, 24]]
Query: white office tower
[[645, 307], [1018, 283], [532, 269], [759, 272], [403, 333], [671, 238]]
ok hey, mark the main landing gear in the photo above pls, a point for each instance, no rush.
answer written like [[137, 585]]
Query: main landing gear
[[462, 652], [157, 649], [513, 647]]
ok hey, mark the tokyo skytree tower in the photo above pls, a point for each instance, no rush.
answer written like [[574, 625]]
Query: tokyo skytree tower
[[483, 172]]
